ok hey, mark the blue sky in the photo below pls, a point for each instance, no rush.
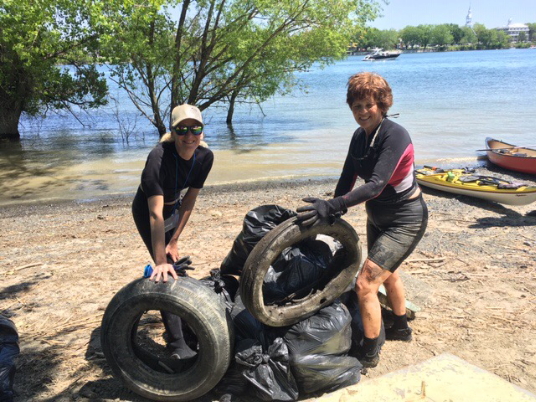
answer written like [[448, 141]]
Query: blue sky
[[492, 13]]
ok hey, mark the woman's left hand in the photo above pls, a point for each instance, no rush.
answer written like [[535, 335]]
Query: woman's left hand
[[161, 271], [172, 250]]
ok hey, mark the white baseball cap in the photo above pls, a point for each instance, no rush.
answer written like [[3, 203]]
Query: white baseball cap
[[183, 112]]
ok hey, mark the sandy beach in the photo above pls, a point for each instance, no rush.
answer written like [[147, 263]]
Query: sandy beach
[[473, 275]]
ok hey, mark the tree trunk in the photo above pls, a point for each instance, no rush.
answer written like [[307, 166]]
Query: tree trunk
[[9, 124], [161, 128], [230, 111]]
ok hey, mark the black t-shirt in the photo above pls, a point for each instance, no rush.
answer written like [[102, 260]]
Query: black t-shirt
[[166, 173]]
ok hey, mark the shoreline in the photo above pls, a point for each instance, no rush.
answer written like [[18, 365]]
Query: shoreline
[[76, 197], [481, 163], [247, 186]]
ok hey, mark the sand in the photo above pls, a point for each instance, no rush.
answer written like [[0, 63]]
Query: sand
[[473, 275]]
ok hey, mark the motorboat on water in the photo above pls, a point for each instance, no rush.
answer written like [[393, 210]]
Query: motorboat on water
[[380, 54]]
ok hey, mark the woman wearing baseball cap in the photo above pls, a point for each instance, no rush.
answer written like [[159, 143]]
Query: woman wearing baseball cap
[[175, 172]]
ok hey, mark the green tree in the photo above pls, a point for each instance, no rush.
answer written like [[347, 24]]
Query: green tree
[[410, 36], [425, 35], [532, 31], [388, 39], [219, 52], [456, 31], [522, 37], [484, 36], [441, 35], [367, 38], [502, 40], [469, 36], [44, 49], [373, 37]]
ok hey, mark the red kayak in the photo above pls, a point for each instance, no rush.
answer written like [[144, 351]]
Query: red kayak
[[508, 156]]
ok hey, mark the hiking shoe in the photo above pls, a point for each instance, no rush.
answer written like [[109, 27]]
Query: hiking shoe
[[403, 334], [182, 353], [369, 360]]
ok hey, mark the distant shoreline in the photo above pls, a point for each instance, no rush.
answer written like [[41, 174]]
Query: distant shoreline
[[430, 50]]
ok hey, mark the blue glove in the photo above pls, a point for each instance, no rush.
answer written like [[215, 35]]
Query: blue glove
[[320, 209]]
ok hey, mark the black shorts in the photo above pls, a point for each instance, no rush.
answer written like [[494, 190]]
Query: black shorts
[[393, 231]]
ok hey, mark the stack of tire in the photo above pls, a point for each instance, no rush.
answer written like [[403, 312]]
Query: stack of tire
[[250, 343]]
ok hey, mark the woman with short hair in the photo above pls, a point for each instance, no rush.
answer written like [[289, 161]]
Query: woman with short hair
[[381, 153]]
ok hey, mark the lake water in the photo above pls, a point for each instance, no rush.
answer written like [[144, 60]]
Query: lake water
[[449, 102]]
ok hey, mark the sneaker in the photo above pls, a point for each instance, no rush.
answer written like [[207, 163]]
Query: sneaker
[[403, 334]]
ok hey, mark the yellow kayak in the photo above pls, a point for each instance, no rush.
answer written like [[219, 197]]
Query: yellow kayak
[[464, 182]]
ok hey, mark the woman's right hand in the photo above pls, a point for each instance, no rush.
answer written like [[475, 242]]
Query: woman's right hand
[[162, 271], [172, 250]]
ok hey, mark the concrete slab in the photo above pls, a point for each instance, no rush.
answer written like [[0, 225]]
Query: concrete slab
[[442, 378]]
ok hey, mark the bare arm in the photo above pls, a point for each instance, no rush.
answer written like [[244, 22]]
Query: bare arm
[[158, 239], [187, 206]]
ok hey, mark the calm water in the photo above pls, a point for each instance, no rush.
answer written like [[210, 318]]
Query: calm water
[[449, 102]]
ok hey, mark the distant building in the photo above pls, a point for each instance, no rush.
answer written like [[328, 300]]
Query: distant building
[[469, 19], [513, 30]]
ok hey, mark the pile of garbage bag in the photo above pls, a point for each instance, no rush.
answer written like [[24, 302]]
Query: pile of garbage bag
[[285, 363], [307, 358], [242, 354]]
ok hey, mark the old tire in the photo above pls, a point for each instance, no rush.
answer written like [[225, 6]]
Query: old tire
[[268, 249], [193, 302]]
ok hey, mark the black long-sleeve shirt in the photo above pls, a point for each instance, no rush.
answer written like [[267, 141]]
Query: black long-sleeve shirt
[[385, 163]]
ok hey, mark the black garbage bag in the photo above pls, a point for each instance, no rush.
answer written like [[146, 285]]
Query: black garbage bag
[[318, 348], [257, 223], [246, 326], [317, 374], [296, 271], [9, 349], [233, 385], [267, 371], [225, 286], [261, 366]]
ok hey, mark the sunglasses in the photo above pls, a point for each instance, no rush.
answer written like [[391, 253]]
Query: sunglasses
[[183, 130]]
